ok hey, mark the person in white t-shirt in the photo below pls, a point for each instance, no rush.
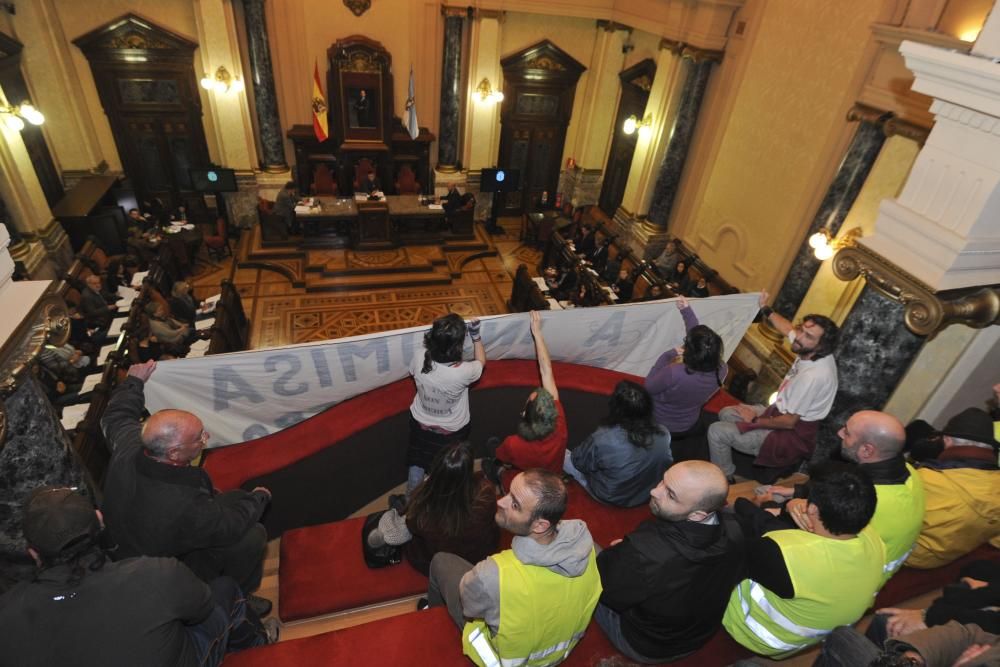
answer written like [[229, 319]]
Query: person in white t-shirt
[[784, 433], [439, 414]]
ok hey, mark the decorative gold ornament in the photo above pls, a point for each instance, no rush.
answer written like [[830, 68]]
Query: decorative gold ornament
[[545, 62], [359, 7], [135, 40]]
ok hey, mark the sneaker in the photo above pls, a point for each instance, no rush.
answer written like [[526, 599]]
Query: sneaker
[[260, 606], [422, 604], [273, 629]]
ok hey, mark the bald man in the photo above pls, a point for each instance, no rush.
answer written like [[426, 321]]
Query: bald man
[[157, 504], [666, 585], [875, 441]]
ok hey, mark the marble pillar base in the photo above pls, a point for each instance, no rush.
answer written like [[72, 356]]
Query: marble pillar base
[[35, 453], [875, 351], [269, 183], [36, 261], [242, 205], [57, 246], [581, 187]]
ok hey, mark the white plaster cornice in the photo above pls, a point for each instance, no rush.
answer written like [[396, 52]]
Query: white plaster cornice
[[969, 81]]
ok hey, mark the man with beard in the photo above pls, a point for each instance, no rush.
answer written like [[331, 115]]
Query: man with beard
[[784, 433], [666, 585], [874, 440], [534, 600]]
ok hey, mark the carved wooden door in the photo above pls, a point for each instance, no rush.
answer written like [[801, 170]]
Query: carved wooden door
[[636, 82]]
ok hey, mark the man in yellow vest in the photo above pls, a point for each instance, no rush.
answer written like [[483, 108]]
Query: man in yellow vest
[[804, 583], [961, 482], [530, 604], [875, 440]]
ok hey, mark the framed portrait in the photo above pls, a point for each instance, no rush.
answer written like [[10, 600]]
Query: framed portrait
[[361, 79]]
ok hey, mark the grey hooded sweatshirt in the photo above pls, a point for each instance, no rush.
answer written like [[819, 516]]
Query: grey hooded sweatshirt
[[567, 555]]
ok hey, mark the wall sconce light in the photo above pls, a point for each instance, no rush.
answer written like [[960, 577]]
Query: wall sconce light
[[222, 82], [487, 94], [631, 124], [14, 116], [824, 245]]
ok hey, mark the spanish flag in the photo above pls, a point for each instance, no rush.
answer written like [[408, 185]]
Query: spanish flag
[[320, 126]]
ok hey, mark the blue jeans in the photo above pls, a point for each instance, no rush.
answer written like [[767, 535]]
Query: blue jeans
[[230, 626], [572, 471], [611, 624]]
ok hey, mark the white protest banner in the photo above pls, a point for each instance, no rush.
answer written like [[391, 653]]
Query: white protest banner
[[245, 395]]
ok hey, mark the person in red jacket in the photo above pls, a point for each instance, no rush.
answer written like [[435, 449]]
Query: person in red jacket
[[540, 441]]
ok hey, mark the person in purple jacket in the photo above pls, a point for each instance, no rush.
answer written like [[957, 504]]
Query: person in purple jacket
[[684, 378]]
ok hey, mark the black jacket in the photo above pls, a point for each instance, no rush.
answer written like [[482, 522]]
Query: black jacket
[[127, 613], [95, 309], [670, 583], [156, 509]]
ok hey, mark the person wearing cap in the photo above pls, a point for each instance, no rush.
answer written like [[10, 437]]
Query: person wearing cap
[[83, 609], [157, 504], [960, 484]]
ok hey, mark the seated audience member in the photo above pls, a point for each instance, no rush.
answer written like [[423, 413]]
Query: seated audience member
[[586, 242], [683, 379], [143, 223], [874, 440], [587, 295], [666, 262], [949, 645], [540, 441], [679, 280], [654, 293], [612, 269], [783, 434], [623, 286], [81, 609], [147, 347], [699, 290], [452, 511], [97, 308], [803, 583], [439, 414], [666, 585], [60, 377], [371, 184], [599, 258], [183, 305], [167, 330], [157, 504], [452, 201], [624, 459], [561, 284], [534, 599], [960, 485]]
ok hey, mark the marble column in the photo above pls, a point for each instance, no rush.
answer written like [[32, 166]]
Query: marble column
[[836, 204], [451, 107], [698, 66], [875, 350], [36, 452], [265, 98]]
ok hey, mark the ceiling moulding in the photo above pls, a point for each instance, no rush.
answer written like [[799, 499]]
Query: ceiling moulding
[[700, 23], [888, 84]]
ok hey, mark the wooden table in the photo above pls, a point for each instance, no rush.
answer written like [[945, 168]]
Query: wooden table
[[372, 224]]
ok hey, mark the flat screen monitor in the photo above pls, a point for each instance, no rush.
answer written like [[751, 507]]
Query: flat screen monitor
[[499, 180], [213, 180]]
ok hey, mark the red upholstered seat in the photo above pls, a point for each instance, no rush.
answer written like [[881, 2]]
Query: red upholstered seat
[[419, 639], [322, 570]]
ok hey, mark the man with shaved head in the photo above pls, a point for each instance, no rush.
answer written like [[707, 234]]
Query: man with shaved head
[[666, 584], [875, 440], [157, 504]]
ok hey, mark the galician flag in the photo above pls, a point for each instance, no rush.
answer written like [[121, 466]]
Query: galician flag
[[320, 126], [411, 111]]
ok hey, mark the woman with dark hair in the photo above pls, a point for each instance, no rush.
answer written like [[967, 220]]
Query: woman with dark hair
[[452, 511], [439, 414], [683, 379], [679, 279], [625, 458]]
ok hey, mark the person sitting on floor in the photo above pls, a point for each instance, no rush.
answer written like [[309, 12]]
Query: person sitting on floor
[[683, 379], [157, 504], [874, 440], [624, 459], [451, 511], [534, 599], [540, 441], [439, 414], [667, 583], [803, 583], [960, 485], [82, 609], [783, 434]]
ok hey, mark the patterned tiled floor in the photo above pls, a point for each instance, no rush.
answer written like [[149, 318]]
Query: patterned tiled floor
[[282, 314]]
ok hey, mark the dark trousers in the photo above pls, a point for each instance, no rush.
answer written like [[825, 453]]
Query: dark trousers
[[243, 560], [231, 626], [846, 647], [446, 573], [610, 622]]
